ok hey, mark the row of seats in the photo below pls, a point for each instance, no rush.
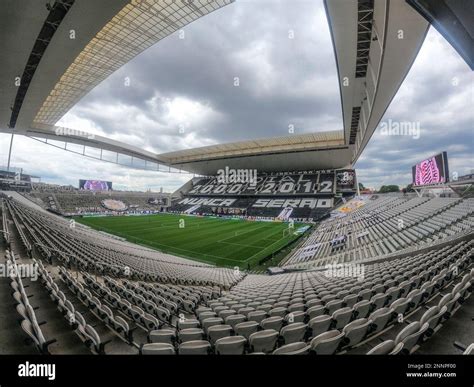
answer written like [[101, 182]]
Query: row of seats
[[75, 319], [375, 230], [28, 321], [78, 246]]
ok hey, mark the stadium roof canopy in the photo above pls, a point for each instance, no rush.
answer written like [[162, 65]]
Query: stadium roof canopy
[[322, 150], [53, 55]]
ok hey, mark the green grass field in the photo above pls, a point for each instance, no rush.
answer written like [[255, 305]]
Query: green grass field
[[223, 242]]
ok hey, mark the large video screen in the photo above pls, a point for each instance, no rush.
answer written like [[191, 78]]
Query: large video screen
[[95, 185], [297, 183], [346, 180], [433, 170]]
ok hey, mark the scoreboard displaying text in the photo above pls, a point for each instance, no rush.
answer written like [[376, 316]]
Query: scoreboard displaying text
[[284, 184]]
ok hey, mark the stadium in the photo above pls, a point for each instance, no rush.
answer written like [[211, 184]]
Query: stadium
[[268, 245]]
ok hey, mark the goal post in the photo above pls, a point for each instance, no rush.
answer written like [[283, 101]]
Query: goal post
[[287, 232]]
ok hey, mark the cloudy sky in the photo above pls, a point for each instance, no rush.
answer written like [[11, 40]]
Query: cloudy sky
[[181, 93]]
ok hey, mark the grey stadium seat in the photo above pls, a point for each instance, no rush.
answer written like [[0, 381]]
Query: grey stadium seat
[[362, 308], [158, 349], [315, 311], [319, 324], [211, 321], [235, 319], [433, 316], [293, 333], [400, 306], [188, 323], [355, 331], [162, 336], [333, 305], [263, 341], [411, 335], [218, 331], [226, 313], [388, 347], [449, 300], [195, 347], [232, 345], [278, 311], [246, 328], [257, 316], [326, 343], [342, 317], [469, 350], [298, 348], [379, 319], [191, 334], [274, 322], [379, 300]]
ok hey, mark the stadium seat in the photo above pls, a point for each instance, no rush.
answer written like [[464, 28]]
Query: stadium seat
[[388, 347], [217, 332], [326, 343], [162, 336], [362, 308], [315, 311], [95, 342], [416, 295], [188, 323], [379, 319], [297, 348], [195, 347], [469, 350], [235, 319], [232, 345], [246, 328], [342, 317], [191, 334], [223, 314], [158, 349], [257, 316], [449, 300], [211, 321], [274, 322], [206, 314], [277, 312], [433, 317], [411, 335], [355, 331], [400, 306], [378, 300], [293, 332], [319, 324], [34, 333], [263, 341], [333, 305]]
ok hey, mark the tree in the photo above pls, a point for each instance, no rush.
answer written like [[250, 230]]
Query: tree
[[389, 188], [361, 186]]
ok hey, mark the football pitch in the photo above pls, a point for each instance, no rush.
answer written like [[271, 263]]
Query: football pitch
[[223, 242]]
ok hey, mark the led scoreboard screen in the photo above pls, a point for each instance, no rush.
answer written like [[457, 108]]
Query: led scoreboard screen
[[433, 170], [95, 185], [292, 183]]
